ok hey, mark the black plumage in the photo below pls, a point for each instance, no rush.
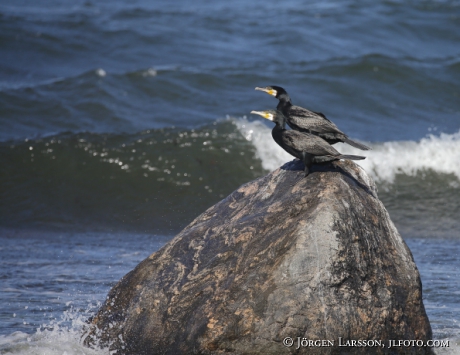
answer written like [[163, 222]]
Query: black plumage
[[303, 120], [302, 145]]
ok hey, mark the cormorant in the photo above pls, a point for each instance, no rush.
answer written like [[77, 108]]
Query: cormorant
[[304, 120], [302, 145]]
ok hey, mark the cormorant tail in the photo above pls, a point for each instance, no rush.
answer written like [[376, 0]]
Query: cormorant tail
[[351, 157], [355, 144]]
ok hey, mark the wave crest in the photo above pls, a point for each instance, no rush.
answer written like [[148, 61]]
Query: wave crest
[[386, 160]]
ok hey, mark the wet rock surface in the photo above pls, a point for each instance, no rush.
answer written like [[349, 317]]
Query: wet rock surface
[[283, 256]]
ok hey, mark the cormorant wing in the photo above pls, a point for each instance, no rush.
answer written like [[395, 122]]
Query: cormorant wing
[[322, 115], [309, 120], [306, 142]]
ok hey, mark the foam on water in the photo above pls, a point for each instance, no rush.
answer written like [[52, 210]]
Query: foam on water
[[59, 337], [270, 153], [453, 339], [438, 153]]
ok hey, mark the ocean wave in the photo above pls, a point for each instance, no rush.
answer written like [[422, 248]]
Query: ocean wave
[[384, 162], [92, 180], [150, 180]]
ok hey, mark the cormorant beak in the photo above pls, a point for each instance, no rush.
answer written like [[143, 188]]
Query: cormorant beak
[[264, 114], [269, 91]]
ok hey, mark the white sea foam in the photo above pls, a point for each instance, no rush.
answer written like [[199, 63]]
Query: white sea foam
[[271, 154], [452, 349], [63, 336], [385, 160], [101, 72], [150, 72]]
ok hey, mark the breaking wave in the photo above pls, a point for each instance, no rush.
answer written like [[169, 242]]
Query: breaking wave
[[384, 162]]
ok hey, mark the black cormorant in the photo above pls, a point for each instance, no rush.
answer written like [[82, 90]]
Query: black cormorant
[[304, 120], [302, 145]]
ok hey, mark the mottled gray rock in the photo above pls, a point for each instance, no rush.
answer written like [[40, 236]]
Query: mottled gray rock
[[282, 256]]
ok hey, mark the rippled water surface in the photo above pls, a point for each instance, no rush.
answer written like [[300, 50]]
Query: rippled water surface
[[122, 121]]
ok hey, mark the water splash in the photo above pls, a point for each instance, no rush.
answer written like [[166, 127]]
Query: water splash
[[62, 336]]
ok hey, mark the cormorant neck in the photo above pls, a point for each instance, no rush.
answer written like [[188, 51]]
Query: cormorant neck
[[285, 99], [280, 125], [284, 103], [277, 132]]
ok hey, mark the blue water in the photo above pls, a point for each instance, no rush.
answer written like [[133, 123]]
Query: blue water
[[121, 122]]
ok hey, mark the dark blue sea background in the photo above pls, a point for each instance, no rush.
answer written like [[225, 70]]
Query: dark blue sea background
[[123, 121]]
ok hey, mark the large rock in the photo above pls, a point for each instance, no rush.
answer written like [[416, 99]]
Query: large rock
[[282, 256]]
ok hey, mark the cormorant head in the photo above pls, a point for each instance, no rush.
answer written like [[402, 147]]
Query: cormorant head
[[276, 91], [272, 115]]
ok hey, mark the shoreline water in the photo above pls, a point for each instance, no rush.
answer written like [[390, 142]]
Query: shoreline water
[[48, 301]]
